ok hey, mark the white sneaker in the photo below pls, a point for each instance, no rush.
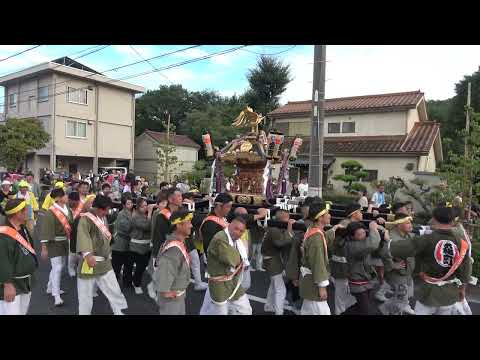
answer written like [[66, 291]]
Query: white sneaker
[[138, 290], [200, 286], [151, 291], [408, 310], [296, 311], [72, 273], [380, 297], [261, 269], [58, 301], [95, 294]]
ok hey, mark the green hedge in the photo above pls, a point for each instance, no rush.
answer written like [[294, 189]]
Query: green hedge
[[339, 198], [476, 257]]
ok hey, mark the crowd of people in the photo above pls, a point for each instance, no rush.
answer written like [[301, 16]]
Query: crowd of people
[[110, 245]]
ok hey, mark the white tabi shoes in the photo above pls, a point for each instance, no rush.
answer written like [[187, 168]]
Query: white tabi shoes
[[138, 290], [58, 301], [151, 291]]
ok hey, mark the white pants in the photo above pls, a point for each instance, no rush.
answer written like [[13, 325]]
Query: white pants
[[241, 306], [110, 288], [343, 298], [257, 255], [314, 308], [56, 275], [421, 309], [72, 264], [195, 266], [246, 282], [19, 306], [276, 294]]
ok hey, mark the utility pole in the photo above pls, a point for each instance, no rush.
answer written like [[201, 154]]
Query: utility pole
[[315, 172], [468, 167], [167, 152]]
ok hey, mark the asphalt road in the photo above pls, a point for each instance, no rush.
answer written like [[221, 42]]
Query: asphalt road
[[43, 304]]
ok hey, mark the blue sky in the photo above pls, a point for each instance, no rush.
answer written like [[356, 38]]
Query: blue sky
[[351, 69]]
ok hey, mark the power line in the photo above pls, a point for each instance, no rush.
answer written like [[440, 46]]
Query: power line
[[152, 71], [75, 53], [272, 54], [108, 70], [20, 53], [153, 66]]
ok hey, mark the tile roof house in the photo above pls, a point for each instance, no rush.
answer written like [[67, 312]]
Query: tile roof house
[[186, 150], [390, 134]]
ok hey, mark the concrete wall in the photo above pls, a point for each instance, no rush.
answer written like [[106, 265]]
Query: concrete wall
[[114, 141], [146, 163], [115, 106], [73, 146], [387, 167], [427, 163], [412, 118], [74, 110], [84, 164], [371, 124]]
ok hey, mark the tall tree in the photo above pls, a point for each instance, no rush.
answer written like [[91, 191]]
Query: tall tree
[[268, 80], [19, 137]]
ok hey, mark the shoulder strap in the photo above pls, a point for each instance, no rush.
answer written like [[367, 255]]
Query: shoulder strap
[[63, 220], [15, 235], [101, 226], [180, 245]]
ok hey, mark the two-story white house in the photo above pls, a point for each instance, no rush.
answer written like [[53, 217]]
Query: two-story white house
[[389, 134], [90, 117]]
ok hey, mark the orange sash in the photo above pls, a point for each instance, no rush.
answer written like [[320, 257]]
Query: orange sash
[[166, 212], [312, 231], [63, 220], [15, 235], [77, 211], [215, 219], [180, 245], [100, 225], [457, 262]]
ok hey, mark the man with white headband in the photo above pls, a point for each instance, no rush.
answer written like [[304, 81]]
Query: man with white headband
[[398, 272], [172, 275], [18, 261], [226, 258]]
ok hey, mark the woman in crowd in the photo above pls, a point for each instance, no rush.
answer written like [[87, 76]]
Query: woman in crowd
[[295, 192], [140, 240], [121, 240], [363, 201]]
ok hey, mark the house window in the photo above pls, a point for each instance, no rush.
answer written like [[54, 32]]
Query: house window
[[333, 128], [77, 96], [372, 175], [12, 100], [77, 129], [43, 93], [348, 127]]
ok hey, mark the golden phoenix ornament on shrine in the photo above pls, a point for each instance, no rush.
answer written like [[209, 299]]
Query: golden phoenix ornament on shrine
[[248, 117]]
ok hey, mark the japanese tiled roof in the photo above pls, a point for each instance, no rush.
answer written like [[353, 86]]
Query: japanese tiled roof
[[418, 142], [179, 140], [382, 102]]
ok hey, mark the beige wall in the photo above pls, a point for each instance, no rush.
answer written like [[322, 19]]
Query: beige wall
[[386, 166], [412, 118], [114, 141], [145, 157], [73, 146], [427, 163], [115, 106], [73, 110], [371, 124]]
